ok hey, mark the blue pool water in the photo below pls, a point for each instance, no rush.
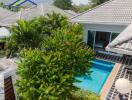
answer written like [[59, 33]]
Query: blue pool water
[[94, 82]]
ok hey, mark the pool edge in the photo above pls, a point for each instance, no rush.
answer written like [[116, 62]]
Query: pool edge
[[104, 91]]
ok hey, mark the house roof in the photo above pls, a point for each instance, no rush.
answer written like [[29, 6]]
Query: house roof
[[123, 43], [71, 12], [4, 13], [117, 12], [31, 12], [7, 78]]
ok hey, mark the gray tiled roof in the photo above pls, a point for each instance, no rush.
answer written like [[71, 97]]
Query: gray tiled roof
[[32, 12], [4, 13], [122, 43], [111, 12]]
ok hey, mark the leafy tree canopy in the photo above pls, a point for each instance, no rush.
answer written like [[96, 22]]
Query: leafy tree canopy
[[97, 2], [30, 34], [63, 4], [81, 8], [49, 74]]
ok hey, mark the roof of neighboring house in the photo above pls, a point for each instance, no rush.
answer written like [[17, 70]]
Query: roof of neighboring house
[[123, 43], [7, 78], [71, 12], [117, 12], [4, 13], [32, 12]]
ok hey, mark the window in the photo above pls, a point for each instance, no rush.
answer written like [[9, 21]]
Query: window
[[90, 40], [114, 35]]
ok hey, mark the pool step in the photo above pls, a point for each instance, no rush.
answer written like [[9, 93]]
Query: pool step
[[102, 64]]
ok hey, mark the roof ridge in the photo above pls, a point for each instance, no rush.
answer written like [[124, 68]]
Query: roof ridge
[[60, 9], [92, 9]]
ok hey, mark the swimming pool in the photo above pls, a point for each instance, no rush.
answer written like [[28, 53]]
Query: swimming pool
[[94, 83]]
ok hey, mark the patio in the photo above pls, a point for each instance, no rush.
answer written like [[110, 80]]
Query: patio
[[124, 61], [123, 73]]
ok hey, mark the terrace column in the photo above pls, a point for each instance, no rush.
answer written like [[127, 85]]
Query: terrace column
[[85, 35], [110, 37]]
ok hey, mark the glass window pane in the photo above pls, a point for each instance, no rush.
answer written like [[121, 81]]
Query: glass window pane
[[114, 35], [90, 38]]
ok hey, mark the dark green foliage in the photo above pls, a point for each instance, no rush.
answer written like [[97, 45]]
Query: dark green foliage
[[42, 78], [68, 43], [1, 4], [49, 74], [82, 8], [30, 34], [46, 25], [63, 4], [97, 2], [24, 35], [2, 53], [84, 95]]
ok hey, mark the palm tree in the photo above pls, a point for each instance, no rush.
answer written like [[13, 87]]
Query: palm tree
[[24, 35]]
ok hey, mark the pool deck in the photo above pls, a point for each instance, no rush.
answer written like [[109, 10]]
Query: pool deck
[[109, 81]]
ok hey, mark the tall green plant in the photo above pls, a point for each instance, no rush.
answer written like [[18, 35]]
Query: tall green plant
[[97, 2], [24, 35], [46, 25], [63, 4], [30, 34], [68, 42], [49, 74]]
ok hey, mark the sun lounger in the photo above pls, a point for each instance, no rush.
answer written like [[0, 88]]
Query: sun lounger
[[128, 67]]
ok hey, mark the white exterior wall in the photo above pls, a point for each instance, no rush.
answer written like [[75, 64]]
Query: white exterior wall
[[101, 27]]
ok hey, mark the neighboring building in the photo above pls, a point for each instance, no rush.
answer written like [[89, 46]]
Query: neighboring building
[[105, 22], [4, 13], [7, 79], [33, 11], [123, 43]]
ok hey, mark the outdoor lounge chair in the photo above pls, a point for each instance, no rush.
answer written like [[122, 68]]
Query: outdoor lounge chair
[[129, 68]]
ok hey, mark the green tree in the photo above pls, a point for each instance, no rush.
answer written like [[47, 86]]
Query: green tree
[[68, 42], [30, 34], [63, 4], [49, 74], [97, 2], [81, 8], [46, 25], [24, 35]]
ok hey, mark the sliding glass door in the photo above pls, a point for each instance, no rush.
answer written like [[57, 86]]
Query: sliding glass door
[[90, 40], [98, 40], [113, 36]]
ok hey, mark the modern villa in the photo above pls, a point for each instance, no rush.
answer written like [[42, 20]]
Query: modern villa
[[105, 22], [107, 30]]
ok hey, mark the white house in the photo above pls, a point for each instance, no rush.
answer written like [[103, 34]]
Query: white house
[[105, 22]]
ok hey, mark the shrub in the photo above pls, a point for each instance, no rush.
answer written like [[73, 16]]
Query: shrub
[[49, 74], [30, 34], [84, 95], [63, 4]]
